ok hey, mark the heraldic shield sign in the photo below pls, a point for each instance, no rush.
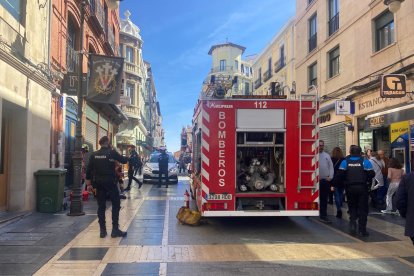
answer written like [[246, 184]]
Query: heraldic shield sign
[[105, 79]]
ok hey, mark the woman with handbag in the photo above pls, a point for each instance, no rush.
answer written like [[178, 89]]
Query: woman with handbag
[[337, 183]]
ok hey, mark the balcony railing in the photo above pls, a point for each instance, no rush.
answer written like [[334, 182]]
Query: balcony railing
[[72, 59], [279, 64], [12, 38], [312, 42], [225, 69], [333, 24], [131, 111], [257, 83], [98, 13], [130, 67], [267, 75]]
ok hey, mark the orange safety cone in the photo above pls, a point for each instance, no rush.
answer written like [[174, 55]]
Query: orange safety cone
[[187, 199]]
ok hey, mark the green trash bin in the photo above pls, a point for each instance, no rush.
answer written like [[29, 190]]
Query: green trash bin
[[49, 190]]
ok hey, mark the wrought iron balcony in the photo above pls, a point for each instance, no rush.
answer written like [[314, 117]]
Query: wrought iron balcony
[[72, 59], [225, 69], [312, 42], [279, 64], [98, 14], [12, 39], [267, 75], [257, 83], [333, 24]]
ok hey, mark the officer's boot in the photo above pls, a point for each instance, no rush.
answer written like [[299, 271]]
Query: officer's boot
[[352, 227], [103, 232], [362, 231], [118, 233]]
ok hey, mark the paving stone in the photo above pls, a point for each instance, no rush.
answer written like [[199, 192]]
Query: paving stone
[[250, 230], [132, 269], [84, 254], [374, 236], [331, 267], [388, 218], [19, 269]]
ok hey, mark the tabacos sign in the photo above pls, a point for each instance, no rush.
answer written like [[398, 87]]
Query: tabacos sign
[[393, 86]]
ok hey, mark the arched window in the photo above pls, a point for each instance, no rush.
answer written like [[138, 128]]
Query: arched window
[[72, 57]]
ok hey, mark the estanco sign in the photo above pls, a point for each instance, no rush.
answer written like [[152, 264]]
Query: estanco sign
[[393, 86]]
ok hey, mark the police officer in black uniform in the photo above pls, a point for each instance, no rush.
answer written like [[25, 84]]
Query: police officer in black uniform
[[163, 167], [101, 171], [357, 172]]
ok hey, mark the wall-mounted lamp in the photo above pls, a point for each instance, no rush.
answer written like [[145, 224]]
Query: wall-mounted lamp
[[393, 5]]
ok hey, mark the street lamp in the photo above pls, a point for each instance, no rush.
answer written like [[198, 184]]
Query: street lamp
[[393, 5], [76, 206]]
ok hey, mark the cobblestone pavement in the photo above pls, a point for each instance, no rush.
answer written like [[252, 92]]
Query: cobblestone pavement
[[157, 245]]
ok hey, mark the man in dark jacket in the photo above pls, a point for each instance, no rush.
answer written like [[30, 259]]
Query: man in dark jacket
[[405, 203], [132, 166], [101, 172], [356, 173], [163, 167]]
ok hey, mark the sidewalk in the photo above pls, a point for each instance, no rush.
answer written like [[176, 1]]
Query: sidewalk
[[29, 240]]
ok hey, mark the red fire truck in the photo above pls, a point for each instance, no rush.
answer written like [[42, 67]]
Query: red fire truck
[[256, 156]]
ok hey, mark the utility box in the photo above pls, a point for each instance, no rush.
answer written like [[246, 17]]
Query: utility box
[[49, 190]]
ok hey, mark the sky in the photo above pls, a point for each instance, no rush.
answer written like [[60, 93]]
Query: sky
[[177, 35]]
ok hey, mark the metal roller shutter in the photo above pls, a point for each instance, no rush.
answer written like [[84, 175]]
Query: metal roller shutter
[[91, 134], [334, 136], [102, 132]]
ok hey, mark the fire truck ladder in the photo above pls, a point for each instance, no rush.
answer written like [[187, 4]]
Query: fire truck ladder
[[309, 137]]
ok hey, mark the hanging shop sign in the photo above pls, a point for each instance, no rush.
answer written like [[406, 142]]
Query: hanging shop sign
[[393, 86], [70, 84], [106, 79], [398, 129], [344, 108]]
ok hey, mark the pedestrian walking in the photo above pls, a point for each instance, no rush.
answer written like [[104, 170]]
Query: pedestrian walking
[[382, 191], [120, 177], [326, 173], [405, 203], [356, 174], [337, 183], [132, 164], [163, 167], [181, 162], [395, 172], [377, 181], [368, 154], [139, 162], [101, 175]]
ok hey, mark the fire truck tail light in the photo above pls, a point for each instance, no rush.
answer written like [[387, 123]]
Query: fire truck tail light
[[215, 206], [308, 205]]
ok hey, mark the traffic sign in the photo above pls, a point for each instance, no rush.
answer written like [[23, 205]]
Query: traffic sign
[[348, 119]]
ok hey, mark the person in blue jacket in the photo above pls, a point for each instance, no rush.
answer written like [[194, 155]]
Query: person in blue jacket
[[356, 172]]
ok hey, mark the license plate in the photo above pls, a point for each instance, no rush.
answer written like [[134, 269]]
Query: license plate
[[219, 196]]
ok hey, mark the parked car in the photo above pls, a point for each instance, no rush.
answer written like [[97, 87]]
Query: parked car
[[151, 170]]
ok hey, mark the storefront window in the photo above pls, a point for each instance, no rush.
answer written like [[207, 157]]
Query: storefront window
[[365, 140]]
